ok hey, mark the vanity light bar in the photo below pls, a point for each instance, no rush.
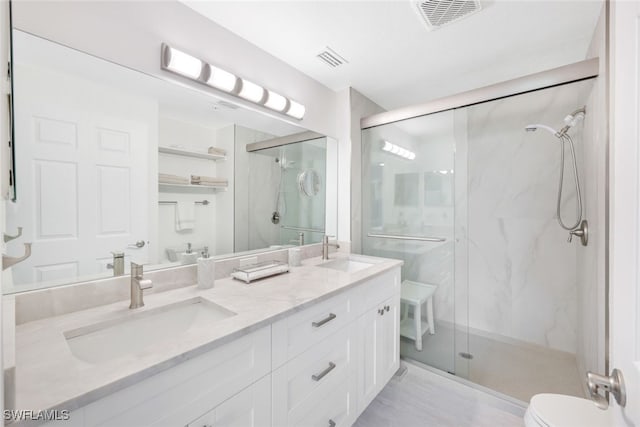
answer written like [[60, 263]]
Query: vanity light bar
[[181, 63], [176, 61], [398, 151]]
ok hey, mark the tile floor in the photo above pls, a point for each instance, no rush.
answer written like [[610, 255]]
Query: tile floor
[[425, 399]]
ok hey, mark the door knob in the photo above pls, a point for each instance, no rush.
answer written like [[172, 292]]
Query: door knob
[[139, 244], [613, 384]]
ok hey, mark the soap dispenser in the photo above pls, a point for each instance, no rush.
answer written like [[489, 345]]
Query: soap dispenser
[[189, 257], [206, 270]]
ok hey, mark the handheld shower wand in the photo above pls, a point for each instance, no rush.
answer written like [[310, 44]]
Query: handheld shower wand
[[579, 228]]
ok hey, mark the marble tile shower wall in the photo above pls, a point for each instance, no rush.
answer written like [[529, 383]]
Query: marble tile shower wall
[[264, 175], [521, 270]]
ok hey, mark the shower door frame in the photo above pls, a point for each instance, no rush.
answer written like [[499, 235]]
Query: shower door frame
[[570, 73]]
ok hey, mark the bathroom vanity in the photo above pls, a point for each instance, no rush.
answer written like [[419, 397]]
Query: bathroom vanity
[[310, 347]]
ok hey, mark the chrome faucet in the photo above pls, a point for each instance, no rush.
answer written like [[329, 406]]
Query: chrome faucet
[[118, 264], [325, 246], [138, 285]]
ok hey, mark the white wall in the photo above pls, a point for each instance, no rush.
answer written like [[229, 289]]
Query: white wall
[[131, 32], [350, 171]]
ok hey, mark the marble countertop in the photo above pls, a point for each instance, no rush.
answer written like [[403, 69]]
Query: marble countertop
[[49, 376]]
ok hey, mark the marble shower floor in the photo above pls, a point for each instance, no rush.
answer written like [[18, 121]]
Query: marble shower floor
[[517, 370], [424, 399]]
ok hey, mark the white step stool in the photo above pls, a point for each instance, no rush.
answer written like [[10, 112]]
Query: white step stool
[[416, 294]]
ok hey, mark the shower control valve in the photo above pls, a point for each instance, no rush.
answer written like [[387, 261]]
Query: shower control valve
[[582, 231]]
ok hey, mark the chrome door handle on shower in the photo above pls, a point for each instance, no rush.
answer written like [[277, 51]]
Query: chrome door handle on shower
[[613, 384]]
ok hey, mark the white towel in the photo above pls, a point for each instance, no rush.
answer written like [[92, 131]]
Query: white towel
[[165, 178], [185, 216]]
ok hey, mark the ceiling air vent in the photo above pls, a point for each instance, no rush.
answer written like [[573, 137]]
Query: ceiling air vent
[[224, 105], [331, 58], [437, 13]]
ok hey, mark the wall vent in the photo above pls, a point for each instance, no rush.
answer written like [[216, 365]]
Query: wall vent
[[438, 13], [224, 105], [331, 58]]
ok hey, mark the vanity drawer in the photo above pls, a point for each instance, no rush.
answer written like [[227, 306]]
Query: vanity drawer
[[333, 408], [296, 333], [308, 380], [178, 395], [249, 408]]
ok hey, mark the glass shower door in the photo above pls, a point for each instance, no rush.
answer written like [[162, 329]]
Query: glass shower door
[[409, 182]]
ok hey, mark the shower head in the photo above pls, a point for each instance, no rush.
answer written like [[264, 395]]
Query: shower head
[[572, 119], [535, 127], [569, 121]]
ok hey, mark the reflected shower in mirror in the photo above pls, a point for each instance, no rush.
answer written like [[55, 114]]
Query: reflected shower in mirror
[[112, 161], [296, 174]]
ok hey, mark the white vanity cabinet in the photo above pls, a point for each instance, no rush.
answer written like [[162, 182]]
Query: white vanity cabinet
[[379, 329], [333, 358], [379, 337], [313, 359], [320, 366], [177, 396]]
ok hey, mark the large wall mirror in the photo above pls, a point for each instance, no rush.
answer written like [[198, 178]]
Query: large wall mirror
[[110, 160]]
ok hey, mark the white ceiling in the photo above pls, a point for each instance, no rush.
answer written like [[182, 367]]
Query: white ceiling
[[394, 60]]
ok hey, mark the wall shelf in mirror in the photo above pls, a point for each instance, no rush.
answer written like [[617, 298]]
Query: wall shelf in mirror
[[192, 187], [190, 153]]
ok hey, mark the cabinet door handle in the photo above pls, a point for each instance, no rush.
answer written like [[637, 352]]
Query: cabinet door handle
[[329, 318], [381, 311], [386, 307], [318, 377], [332, 423]]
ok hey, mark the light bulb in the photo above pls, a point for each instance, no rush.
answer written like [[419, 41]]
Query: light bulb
[[275, 101], [221, 79], [183, 63], [296, 110], [251, 91]]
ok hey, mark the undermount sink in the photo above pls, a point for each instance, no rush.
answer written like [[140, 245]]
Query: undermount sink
[[349, 265], [104, 341]]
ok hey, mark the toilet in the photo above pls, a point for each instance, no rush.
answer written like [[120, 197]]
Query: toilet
[[558, 410]]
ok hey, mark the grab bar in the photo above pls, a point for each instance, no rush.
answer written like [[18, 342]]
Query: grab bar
[[401, 237], [311, 230]]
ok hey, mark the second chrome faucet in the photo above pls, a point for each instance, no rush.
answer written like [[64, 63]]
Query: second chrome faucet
[[325, 246], [138, 285]]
